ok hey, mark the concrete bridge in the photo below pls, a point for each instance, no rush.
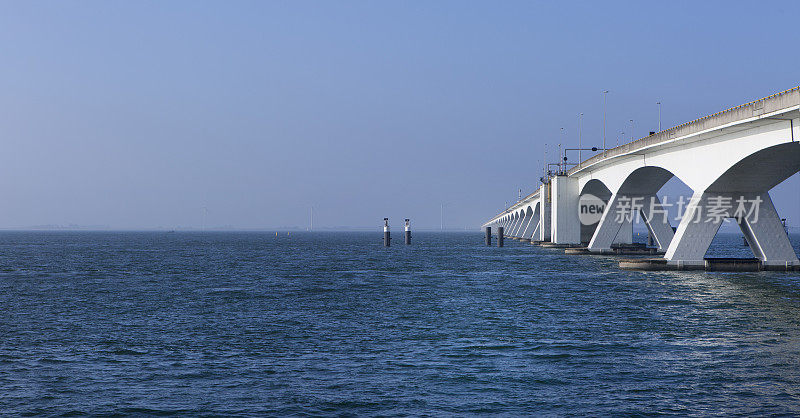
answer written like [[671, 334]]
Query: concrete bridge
[[730, 160]]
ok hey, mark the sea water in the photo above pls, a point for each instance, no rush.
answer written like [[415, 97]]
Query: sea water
[[325, 323]]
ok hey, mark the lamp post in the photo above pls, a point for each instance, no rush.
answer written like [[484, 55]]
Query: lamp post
[[545, 161], [564, 137], [560, 167], [659, 116], [630, 133], [605, 96], [580, 144]]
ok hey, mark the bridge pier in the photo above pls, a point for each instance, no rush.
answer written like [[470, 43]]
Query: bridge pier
[[616, 224], [544, 214], [510, 228], [756, 216], [657, 221], [518, 225], [533, 224], [566, 228], [527, 220], [625, 234], [535, 233]]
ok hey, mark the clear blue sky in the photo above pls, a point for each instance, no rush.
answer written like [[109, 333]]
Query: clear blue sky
[[137, 114]]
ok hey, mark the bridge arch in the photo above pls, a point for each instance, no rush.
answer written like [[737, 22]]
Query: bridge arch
[[645, 180], [597, 188], [526, 214], [636, 196], [521, 222], [760, 171], [513, 225], [532, 211], [741, 192]]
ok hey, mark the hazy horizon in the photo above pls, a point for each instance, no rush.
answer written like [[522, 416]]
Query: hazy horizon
[[147, 115]]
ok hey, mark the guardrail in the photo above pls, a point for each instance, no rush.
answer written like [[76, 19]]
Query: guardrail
[[516, 205], [770, 104]]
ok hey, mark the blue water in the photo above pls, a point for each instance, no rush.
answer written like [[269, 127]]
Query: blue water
[[334, 324]]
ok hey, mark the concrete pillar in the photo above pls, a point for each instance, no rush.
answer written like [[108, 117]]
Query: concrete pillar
[[625, 234], [530, 231], [488, 235], [616, 224], [694, 234], [610, 224], [756, 216], [500, 236], [512, 232], [566, 228], [657, 220], [526, 221], [520, 226], [767, 236], [544, 213]]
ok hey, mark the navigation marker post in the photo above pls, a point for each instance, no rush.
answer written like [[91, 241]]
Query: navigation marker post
[[387, 240]]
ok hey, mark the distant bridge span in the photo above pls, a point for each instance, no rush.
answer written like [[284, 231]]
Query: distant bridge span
[[730, 160]]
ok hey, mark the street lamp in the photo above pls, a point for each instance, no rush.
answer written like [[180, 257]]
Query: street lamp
[[605, 97], [564, 137], [631, 131], [545, 160], [580, 144], [659, 116]]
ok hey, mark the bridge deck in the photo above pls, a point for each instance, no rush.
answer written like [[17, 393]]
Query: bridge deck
[[776, 103], [518, 204], [785, 100]]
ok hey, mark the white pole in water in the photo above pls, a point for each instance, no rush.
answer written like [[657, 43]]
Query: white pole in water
[[408, 233], [387, 239]]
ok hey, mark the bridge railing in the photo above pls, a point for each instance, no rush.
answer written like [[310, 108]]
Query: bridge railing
[[518, 204], [774, 103]]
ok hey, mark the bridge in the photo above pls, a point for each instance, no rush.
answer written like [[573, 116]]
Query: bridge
[[730, 160]]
